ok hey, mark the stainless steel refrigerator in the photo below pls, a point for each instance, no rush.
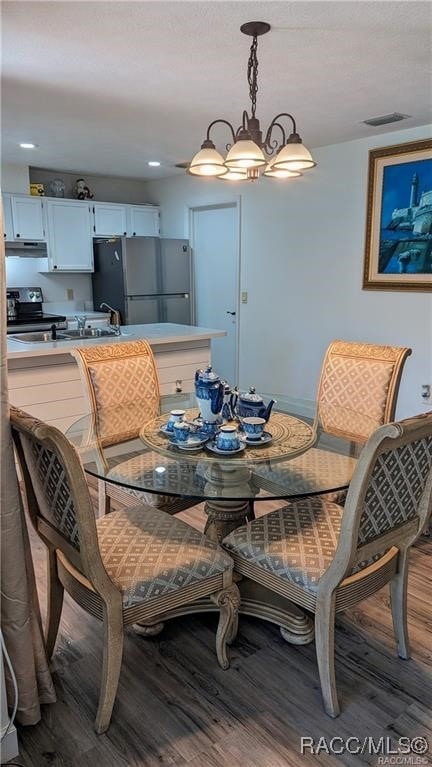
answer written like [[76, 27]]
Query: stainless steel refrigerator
[[147, 279]]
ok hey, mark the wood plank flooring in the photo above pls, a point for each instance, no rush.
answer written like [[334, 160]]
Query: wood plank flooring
[[176, 707]]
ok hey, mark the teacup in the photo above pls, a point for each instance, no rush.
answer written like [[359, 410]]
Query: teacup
[[227, 438], [175, 415], [253, 427], [181, 431]]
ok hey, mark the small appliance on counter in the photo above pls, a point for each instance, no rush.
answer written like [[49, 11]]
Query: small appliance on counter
[[25, 313]]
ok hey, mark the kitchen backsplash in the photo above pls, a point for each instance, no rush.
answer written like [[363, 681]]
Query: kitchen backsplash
[[26, 272]]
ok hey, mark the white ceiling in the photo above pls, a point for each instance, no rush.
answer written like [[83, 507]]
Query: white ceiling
[[104, 87]]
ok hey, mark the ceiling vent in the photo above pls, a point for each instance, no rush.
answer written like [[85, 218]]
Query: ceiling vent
[[385, 119]]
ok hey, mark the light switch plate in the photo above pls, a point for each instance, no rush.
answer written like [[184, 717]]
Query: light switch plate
[[244, 297], [69, 294]]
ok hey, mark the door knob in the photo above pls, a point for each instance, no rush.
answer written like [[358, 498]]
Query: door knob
[[232, 313]]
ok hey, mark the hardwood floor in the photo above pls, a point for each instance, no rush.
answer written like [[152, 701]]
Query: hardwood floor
[[176, 707]]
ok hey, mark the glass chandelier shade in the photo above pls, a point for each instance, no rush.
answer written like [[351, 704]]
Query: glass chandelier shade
[[207, 162], [294, 156], [245, 154], [235, 175], [248, 148], [272, 172]]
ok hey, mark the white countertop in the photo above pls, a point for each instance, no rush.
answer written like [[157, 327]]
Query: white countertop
[[156, 334]]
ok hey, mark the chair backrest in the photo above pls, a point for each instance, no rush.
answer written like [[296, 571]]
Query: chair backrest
[[122, 387], [358, 388], [58, 498], [390, 496]]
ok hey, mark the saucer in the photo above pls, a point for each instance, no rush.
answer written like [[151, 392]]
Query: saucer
[[194, 442], [167, 432], [265, 439], [214, 449]]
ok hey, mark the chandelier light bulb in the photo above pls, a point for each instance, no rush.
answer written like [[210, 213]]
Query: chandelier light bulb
[[235, 175]]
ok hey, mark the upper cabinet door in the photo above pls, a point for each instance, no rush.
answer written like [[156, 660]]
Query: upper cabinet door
[[7, 217], [143, 221], [109, 219], [27, 218], [70, 244]]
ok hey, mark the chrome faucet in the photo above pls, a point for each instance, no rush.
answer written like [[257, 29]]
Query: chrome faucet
[[114, 319], [81, 321]]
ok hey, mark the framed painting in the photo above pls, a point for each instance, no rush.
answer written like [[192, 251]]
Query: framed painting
[[398, 253]]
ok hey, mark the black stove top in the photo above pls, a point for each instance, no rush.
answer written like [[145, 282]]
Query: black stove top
[[36, 318], [25, 312]]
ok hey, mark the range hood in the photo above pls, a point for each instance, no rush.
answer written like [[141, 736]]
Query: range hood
[[26, 249]]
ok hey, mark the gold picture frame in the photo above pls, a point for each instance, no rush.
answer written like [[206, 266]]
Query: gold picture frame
[[398, 248]]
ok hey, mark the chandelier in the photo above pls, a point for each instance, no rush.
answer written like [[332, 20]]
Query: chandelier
[[246, 157]]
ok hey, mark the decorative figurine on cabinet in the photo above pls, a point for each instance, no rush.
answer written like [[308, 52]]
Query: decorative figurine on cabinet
[[82, 191]]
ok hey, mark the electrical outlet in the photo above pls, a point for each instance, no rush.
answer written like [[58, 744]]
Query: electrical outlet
[[426, 394], [69, 294], [244, 297]]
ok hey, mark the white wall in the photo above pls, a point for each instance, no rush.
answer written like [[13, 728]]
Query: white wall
[[302, 245], [15, 178], [103, 188]]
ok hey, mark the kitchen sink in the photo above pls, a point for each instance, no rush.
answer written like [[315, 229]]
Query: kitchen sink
[[89, 333], [67, 335]]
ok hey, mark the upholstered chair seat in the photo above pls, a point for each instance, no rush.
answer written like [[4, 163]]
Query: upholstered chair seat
[[325, 557], [151, 555], [140, 469], [308, 472]]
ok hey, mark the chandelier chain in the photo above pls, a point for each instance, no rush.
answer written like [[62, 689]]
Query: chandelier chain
[[252, 74]]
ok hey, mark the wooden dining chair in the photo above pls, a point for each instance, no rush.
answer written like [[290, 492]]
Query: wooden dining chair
[[357, 392], [327, 558], [122, 387], [129, 566]]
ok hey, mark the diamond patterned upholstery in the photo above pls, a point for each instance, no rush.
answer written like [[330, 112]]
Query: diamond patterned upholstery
[[52, 489], [150, 555], [358, 387], [397, 482], [297, 543], [307, 473], [140, 469], [123, 387]]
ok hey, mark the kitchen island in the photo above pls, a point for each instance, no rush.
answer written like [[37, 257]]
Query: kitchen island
[[44, 378]]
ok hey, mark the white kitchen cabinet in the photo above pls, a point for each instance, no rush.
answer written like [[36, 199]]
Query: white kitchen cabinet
[[27, 217], [7, 217], [70, 230], [109, 219], [143, 221]]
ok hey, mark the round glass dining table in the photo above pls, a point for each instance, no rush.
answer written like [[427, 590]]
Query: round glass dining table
[[299, 455]]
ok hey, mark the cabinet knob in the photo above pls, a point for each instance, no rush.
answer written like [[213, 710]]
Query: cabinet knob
[[55, 266], [18, 235], [133, 234], [125, 233]]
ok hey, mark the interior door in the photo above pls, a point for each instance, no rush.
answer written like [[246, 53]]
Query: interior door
[[215, 243]]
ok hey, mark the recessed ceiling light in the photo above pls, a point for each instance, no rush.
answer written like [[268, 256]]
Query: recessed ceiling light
[[154, 163], [28, 145]]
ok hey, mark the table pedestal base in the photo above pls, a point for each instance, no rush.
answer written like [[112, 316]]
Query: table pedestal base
[[224, 516], [296, 627]]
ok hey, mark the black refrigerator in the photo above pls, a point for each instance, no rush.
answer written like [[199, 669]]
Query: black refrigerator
[[148, 279]]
